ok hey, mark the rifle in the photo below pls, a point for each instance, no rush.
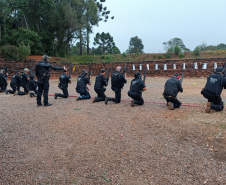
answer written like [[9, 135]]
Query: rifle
[[5, 70], [108, 73], [31, 70], [70, 72], [145, 75], [124, 71], [182, 77], [89, 70]]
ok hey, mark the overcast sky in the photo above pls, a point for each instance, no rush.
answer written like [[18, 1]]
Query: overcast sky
[[157, 21]]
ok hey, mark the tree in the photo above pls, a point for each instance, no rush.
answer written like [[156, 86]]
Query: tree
[[135, 45], [221, 46], [177, 50], [115, 50], [175, 42], [196, 51], [105, 42]]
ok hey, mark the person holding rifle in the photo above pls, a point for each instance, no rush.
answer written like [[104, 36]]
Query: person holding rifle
[[172, 88], [136, 88], [117, 82], [215, 84], [81, 87], [3, 80], [100, 84]]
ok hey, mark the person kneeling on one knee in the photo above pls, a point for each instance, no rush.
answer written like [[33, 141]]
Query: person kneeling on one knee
[[82, 88], [136, 88], [172, 88], [213, 89]]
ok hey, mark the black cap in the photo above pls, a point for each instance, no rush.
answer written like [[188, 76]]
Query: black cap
[[102, 70], [84, 72], [219, 69], [137, 74], [17, 72], [176, 75]]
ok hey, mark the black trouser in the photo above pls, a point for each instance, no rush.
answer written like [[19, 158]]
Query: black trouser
[[137, 97], [25, 90], [100, 94], [174, 100], [117, 98], [43, 86], [14, 88], [3, 87], [216, 102], [65, 92]]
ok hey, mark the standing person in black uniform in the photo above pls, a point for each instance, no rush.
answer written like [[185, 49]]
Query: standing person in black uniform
[[81, 87], [136, 88], [172, 87], [213, 89], [42, 73], [117, 82], [3, 80], [15, 84], [63, 85], [99, 88], [32, 86], [24, 81]]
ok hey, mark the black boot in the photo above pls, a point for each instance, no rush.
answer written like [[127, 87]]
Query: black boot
[[49, 104], [55, 96]]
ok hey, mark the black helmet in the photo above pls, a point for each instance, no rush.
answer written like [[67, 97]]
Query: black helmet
[[32, 77], [102, 70], [84, 72], [137, 75]]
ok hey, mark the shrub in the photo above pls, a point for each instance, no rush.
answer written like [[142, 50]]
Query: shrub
[[196, 51], [16, 53], [181, 55], [160, 57], [168, 55], [102, 57], [177, 50], [124, 54], [154, 56]]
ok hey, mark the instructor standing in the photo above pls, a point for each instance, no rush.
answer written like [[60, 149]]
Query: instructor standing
[[42, 73]]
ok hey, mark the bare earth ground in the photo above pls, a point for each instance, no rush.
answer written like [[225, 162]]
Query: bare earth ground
[[76, 142]]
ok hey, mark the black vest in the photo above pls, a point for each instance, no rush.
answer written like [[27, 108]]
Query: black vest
[[134, 87], [2, 78], [99, 82], [171, 87], [15, 79], [81, 83], [24, 80], [116, 81], [215, 84], [64, 79], [42, 69]]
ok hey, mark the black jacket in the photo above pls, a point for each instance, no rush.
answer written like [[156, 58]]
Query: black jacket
[[24, 79], [3, 78], [42, 70], [32, 85], [100, 82], [117, 80], [172, 87], [16, 80], [64, 80], [137, 85], [82, 82]]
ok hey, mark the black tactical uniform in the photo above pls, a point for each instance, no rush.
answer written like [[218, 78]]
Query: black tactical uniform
[[99, 87], [42, 73], [3, 82], [213, 89], [117, 82], [32, 86], [63, 85], [24, 82], [15, 84], [81, 87], [136, 88], [172, 87]]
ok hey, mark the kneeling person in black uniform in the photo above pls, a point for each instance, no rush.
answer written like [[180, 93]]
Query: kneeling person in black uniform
[[32, 86], [24, 81], [213, 89], [3, 80], [15, 84], [136, 88], [172, 87], [81, 87], [63, 85], [117, 82], [99, 88]]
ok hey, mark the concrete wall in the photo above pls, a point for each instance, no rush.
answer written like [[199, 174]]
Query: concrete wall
[[193, 67]]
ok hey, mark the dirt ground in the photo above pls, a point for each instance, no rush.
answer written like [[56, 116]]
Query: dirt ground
[[77, 142]]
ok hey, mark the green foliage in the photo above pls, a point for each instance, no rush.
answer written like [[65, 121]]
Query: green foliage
[[168, 55], [175, 42], [196, 51], [16, 53], [160, 57], [102, 57], [181, 55], [124, 54], [154, 56], [115, 50], [104, 41], [177, 50], [135, 45]]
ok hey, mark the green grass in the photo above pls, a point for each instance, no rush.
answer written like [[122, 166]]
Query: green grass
[[205, 123], [223, 126]]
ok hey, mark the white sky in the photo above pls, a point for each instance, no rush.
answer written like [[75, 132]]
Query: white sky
[[157, 21]]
